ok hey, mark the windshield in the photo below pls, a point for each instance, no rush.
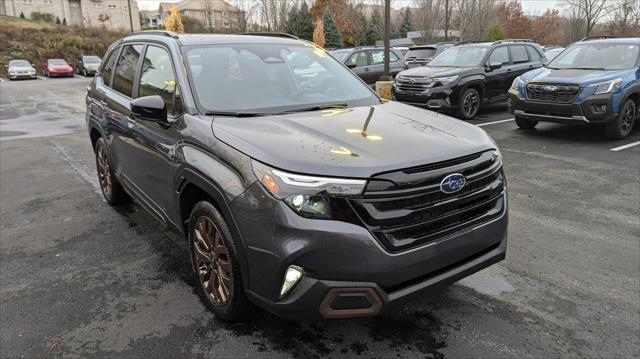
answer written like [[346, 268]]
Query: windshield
[[341, 54], [57, 62], [91, 59], [420, 53], [274, 78], [463, 56], [597, 57], [19, 64], [551, 54]]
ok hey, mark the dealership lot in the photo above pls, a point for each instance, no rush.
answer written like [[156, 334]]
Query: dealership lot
[[80, 279]]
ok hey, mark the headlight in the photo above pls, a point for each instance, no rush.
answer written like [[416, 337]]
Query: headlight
[[445, 79], [516, 83], [608, 86], [308, 196]]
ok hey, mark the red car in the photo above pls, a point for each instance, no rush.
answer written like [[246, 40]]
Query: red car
[[57, 67]]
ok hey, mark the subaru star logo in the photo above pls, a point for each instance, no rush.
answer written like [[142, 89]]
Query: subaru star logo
[[413, 81], [452, 183], [550, 88]]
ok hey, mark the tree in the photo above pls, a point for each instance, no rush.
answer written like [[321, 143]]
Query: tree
[[374, 28], [58, 20], [291, 25], [340, 11], [21, 15], [299, 22], [332, 35], [358, 22], [102, 18], [512, 19], [407, 24], [626, 18], [547, 28], [591, 11], [318, 33], [64, 21], [174, 21], [494, 33], [474, 18]]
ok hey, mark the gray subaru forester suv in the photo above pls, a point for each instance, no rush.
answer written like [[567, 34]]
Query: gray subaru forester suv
[[298, 189]]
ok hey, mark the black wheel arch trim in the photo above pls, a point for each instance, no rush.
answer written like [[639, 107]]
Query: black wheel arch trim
[[188, 176]]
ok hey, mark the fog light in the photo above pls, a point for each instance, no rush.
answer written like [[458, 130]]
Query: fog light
[[291, 278], [603, 108]]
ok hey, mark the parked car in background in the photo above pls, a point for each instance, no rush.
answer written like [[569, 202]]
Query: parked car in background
[[590, 82], [57, 67], [422, 55], [403, 49], [467, 75], [368, 62], [20, 69], [309, 199], [552, 53], [87, 65]]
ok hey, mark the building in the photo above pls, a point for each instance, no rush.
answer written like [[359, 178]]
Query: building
[[151, 19], [110, 14], [210, 15]]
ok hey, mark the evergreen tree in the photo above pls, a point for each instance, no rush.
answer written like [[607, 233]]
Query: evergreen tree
[[494, 33], [332, 35], [21, 15], [57, 20], [306, 22], [407, 24], [374, 30], [64, 21], [292, 22]]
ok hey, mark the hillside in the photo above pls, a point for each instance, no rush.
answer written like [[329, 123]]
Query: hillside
[[35, 41]]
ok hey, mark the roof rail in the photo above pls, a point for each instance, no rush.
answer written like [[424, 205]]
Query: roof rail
[[469, 42], [598, 37], [512, 40], [271, 34], [154, 32]]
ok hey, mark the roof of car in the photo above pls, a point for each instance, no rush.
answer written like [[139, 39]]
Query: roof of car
[[213, 39], [620, 40]]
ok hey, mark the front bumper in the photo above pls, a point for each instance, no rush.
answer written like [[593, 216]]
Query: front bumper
[[53, 74], [348, 273], [22, 76], [592, 109], [443, 99]]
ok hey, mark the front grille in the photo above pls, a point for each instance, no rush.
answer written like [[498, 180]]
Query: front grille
[[553, 93], [413, 84], [407, 208]]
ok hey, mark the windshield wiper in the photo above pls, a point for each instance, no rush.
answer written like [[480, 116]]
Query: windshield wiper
[[589, 68], [235, 114], [314, 108]]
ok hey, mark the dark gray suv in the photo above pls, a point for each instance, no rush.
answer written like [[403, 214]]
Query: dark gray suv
[[298, 189], [368, 62]]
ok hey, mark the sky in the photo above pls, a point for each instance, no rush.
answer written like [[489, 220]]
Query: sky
[[530, 7]]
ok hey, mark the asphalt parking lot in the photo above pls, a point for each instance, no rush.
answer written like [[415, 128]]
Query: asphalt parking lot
[[79, 279]]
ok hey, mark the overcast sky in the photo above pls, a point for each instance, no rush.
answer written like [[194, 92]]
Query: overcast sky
[[530, 7]]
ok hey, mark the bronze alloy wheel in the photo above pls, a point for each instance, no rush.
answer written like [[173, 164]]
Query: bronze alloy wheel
[[628, 117], [104, 171], [212, 261]]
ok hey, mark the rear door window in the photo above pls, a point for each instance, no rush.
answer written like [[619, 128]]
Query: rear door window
[[377, 57], [126, 69], [533, 53], [519, 54], [358, 59], [108, 67]]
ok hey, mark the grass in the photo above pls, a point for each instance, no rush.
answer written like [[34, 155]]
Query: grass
[[35, 41]]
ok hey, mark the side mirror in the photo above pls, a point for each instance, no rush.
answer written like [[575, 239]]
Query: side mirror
[[150, 108], [494, 66], [351, 66]]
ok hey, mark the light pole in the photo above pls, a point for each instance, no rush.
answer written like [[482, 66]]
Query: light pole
[[387, 35], [130, 17]]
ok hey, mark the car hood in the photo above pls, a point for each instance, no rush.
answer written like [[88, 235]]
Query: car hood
[[21, 68], [427, 71], [60, 67], [331, 142], [572, 76]]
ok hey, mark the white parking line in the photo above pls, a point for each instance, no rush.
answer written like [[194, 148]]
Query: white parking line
[[491, 123], [42, 78], [626, 146]]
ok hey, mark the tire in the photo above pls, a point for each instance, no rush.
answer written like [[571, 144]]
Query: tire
[[469, 104], [526, 124], [112, 191], [214, 258], [622, 126]]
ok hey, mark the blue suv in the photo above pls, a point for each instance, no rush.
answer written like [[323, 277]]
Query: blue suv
[[591, 82]]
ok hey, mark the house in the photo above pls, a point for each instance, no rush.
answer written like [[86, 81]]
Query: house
[[151, 19], [110, 14], [211, 15]]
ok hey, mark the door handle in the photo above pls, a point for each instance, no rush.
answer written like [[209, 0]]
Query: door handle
[[366, 69]]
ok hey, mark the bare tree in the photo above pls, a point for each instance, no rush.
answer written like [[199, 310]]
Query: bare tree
[[575, 24], [592, 11], [428, 18], [626, 17], [273, 13], [246, 15], [474, 17]]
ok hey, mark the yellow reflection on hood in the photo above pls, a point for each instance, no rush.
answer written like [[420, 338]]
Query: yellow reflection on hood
[[341, 151], [372, 137]]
